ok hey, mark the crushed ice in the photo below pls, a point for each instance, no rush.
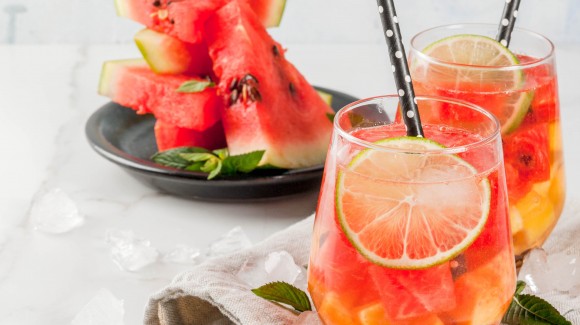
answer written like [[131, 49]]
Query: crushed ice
[[233, 241], [308, 318], [55, 212], [130, 252], [183, 254], [551, 272], [276, 266], [103, 308]]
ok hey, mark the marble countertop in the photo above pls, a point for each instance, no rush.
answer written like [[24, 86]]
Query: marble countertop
[[47, 92]]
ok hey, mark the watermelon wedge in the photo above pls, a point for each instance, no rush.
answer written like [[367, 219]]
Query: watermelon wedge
[[269, 105], [132, 84], [185, 19], [169, 55], [169, 136]]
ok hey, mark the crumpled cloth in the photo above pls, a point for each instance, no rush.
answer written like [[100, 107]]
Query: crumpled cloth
[[211, 294]]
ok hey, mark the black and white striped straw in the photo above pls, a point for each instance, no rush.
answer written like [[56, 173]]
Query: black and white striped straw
[[508, 20], [400, 68]]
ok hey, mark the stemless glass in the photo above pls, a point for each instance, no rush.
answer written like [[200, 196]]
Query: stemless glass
[[412, 230], [523, 95]]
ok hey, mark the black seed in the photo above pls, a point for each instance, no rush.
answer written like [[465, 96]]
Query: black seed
[[234, 84], [172, 21], [255, 94], [526, 159], [234, 96], [275, 50], [458, 266], [291, 87], [157, 3]]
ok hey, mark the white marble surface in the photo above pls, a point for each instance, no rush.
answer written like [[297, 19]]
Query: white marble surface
[[46, 94]]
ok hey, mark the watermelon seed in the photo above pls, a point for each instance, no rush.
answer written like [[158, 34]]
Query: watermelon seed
[[234, 96], [249, 77], [291, 87], [275, 50], [163, 14], [234, 84], [244, 93], [255, 94], [172, 21], [157, 3]]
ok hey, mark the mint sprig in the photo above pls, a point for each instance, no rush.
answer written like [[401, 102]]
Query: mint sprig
[[285, 293], [217, 162], [531, 310], [195, 86]]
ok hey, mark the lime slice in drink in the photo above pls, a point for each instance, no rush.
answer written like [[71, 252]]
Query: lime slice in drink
[[411, 211], [471, 54]]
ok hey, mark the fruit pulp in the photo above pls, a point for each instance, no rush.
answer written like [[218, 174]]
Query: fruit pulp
[[474, 286], [532, 149]]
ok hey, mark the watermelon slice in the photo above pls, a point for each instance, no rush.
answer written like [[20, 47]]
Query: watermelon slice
[[185, 19], [269, 104], [132, 84], [169, 136], [169, 55]]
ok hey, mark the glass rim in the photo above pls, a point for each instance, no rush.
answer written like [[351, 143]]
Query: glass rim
[[439, 151], [538, 61]]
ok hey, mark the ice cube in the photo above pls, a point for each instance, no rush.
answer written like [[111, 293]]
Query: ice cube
[[231, 242], [130, 252], [103, 308], [183, 254], [277, 266], [548, 272], [308, 318], [564, 271], [55, 212], [535, 271]]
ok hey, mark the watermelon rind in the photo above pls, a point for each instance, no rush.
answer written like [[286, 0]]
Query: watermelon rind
[[108, 72], [149, 44], [275, 14], [326, 97], [122, 8]]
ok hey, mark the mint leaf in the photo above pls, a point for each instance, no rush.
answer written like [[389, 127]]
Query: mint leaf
[[531, 310], [197, 156], [243, 163], [285, 293], [195, 86], [172, 157], [222, 153], [195, 167], [330, 116], [216, 170]]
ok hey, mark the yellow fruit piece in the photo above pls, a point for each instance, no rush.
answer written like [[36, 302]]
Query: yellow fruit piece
[[538, 215], [334, 312], [516, 221], [555, 137], [557, 191], [484, 294], [375, 314]]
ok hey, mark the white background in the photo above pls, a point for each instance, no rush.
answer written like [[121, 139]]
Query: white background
[[305, 21]]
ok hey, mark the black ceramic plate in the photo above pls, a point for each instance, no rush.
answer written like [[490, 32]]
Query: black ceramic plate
[[127, 139]]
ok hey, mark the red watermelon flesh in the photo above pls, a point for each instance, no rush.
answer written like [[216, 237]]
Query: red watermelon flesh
[[185, 19], [132, 84], [269, 104], [169, 136]]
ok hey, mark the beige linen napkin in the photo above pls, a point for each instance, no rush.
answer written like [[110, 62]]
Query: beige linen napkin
[[212, 294]]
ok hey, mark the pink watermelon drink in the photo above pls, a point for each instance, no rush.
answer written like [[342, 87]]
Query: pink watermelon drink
[[412, 230], [521, 91]]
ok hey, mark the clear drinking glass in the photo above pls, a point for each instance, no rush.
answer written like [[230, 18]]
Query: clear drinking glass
[[412, 230], [523, 94]]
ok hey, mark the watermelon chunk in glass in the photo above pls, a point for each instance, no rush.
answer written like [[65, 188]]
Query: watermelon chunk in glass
[[169, 136], [185, 19], [131, 83], [269, 105]]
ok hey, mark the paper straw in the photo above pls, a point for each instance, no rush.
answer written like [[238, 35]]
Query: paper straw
[[508, 20], [400, 68]]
